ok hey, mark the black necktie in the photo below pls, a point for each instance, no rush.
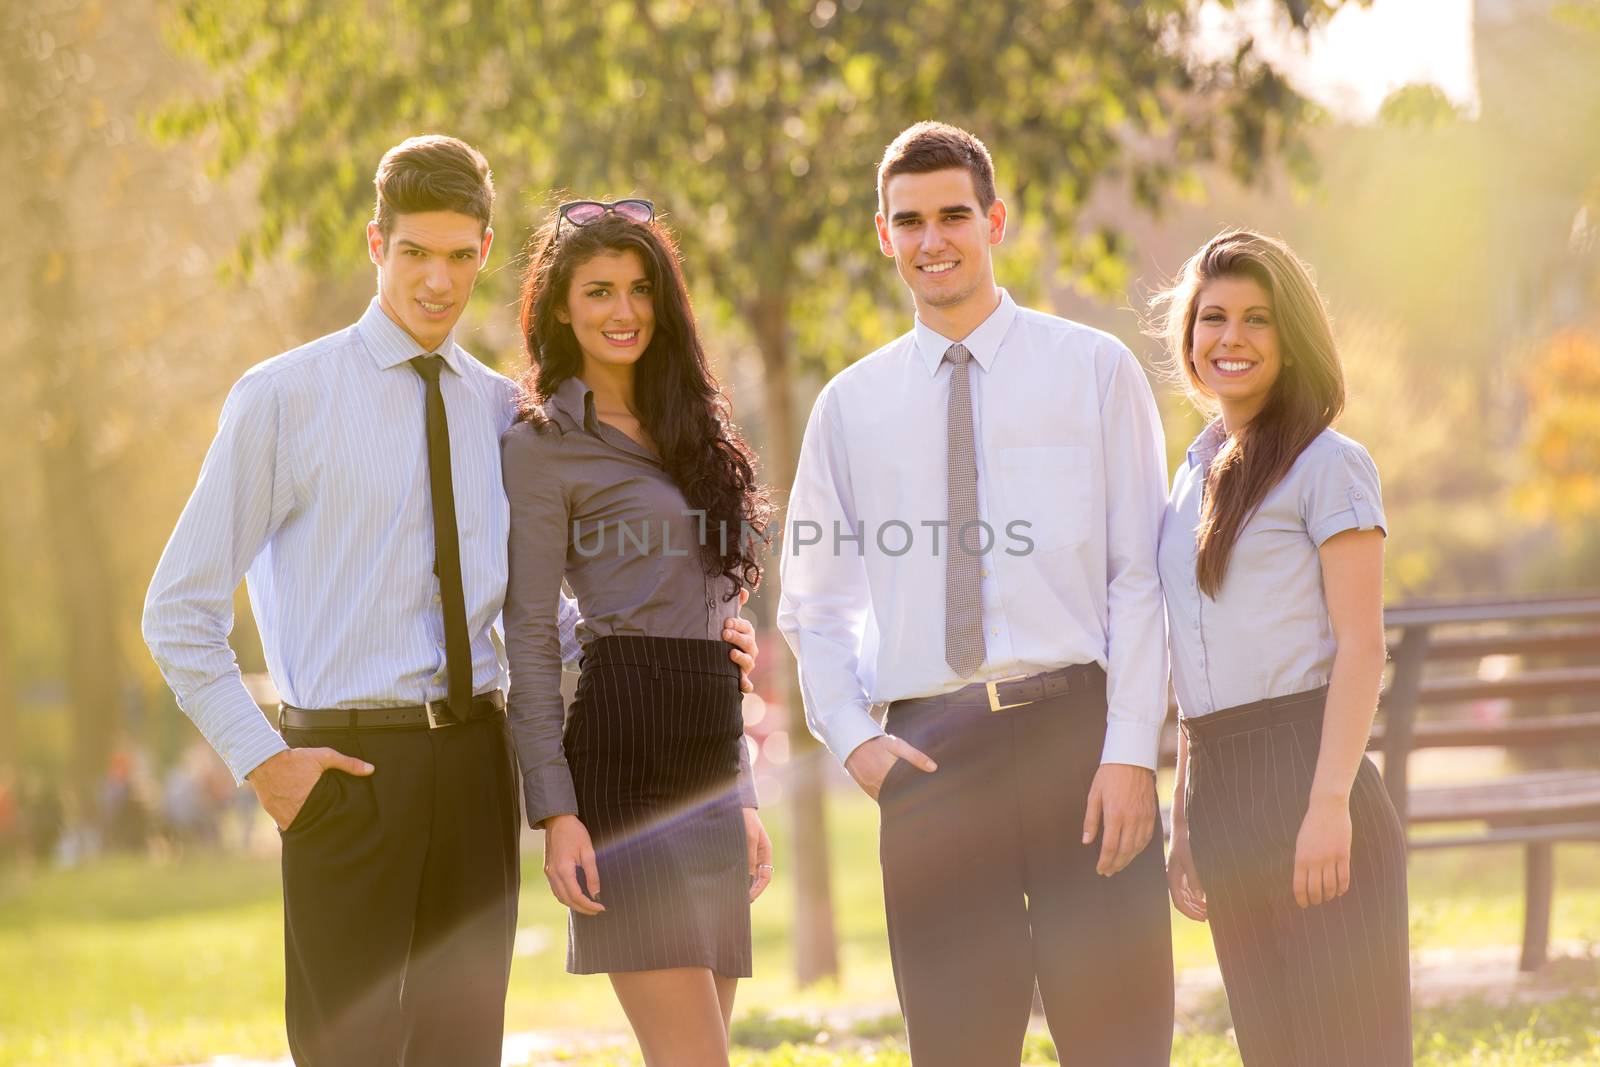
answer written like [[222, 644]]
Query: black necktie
[[446, 542]]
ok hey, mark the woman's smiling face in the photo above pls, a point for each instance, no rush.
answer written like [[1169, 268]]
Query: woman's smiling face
[[1235, 345], [611, 308]]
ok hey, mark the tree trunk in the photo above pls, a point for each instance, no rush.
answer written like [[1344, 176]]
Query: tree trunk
[[88, 653], [816, 946]]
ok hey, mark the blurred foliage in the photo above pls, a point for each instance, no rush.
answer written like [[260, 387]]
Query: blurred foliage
[[114, 369], [1418, 105], [1562, 448], [757, 125], [1443, 491]]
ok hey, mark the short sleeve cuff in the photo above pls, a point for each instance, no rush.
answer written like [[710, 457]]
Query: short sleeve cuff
[[549, 792], [1134, 743], [1363, 513]]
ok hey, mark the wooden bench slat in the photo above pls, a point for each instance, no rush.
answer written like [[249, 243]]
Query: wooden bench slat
[[1538, 796], [1565, 640], [1510, 835], [1572, 681], [1546, 730], [1519, 733], [1479, 610]]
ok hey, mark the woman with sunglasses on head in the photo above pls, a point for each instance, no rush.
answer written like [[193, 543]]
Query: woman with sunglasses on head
[[628, 480], [1271, 560]]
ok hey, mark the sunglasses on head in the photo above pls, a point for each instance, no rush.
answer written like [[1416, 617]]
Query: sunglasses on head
[[583, 212]]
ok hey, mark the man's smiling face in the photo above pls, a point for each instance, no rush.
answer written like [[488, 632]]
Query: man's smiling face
[[939, 236], [427, 268]]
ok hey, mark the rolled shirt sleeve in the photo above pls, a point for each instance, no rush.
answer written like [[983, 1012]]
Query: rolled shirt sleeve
[[244, 493], [1342, 492], [1136, 636], [825, 604]]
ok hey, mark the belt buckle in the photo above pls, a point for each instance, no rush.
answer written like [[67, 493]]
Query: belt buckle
[[438, 712], [994, 693]]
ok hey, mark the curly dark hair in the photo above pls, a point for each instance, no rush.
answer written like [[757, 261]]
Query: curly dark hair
[[679, 402]]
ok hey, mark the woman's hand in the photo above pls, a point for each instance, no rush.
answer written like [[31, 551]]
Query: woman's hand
[[1322, 853], [742, 636], [1183, 881], [567, 850], [758, 849]]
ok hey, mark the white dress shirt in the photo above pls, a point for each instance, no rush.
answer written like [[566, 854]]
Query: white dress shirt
[[1069, 448], [315, 489]]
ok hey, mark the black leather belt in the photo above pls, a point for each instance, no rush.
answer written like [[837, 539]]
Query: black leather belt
[[1003, 694], [432, 714]]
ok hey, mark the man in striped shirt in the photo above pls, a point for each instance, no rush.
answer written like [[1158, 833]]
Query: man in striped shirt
[[400, 862]]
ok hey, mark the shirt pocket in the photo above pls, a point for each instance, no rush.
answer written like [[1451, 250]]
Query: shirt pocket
[[1048, 487]]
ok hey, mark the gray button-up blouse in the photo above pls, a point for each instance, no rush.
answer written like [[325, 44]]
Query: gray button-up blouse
[[594, 507], [1267, 633]]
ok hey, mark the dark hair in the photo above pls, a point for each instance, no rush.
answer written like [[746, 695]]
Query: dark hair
[[680, 405], [432, 173], [931, 146], [1307, 396]]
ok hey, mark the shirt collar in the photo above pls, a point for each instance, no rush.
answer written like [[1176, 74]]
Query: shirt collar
[[391, 346], [574, 403], [575, 400], [1205, 447], [983, 342]]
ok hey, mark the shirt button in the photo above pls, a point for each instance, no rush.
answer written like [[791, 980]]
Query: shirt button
[[983, 573], [995, 631], [1357, 495], [437, 598]]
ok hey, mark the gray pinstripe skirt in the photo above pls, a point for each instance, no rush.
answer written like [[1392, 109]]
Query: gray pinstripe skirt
[[653, 743], [1324, 986]]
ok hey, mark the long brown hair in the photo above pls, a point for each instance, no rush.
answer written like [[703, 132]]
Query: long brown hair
[[680, 405], [1307, 396]]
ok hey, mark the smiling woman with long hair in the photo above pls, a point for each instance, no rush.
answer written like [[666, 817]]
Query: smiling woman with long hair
[[1271, 559], [628, 480]]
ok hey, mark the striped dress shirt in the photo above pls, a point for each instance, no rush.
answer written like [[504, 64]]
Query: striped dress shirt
[[315, 490]]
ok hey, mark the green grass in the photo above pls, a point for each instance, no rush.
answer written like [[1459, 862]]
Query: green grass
[[1564, 1033], [140, 964]]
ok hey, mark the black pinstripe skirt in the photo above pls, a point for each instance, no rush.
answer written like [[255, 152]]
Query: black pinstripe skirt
[[653, 742], [1324, 986]]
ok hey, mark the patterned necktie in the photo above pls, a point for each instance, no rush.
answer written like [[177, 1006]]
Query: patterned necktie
[[963, 603], [446, 542]]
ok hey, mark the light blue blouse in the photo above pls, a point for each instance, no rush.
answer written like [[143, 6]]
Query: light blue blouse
[[1267, 633]]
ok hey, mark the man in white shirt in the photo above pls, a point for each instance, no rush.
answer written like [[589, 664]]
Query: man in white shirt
[[971, 539]]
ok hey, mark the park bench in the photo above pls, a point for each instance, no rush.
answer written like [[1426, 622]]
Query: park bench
[[1439, 652], [1536, 656]]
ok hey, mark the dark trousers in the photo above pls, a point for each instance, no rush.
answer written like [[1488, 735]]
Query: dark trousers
[[989, 890], [1325, 986], [400, 899]]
